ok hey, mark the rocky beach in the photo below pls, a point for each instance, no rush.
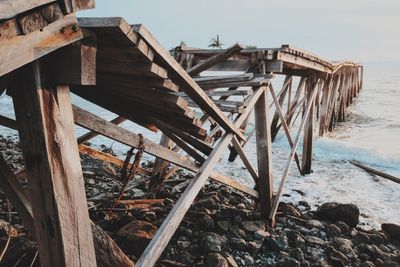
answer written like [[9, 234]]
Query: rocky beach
[[222, 228]]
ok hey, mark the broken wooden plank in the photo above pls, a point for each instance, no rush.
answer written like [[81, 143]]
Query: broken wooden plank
[[23, 49], [208, 63], [39, 18], [376, 172], [47, 134]]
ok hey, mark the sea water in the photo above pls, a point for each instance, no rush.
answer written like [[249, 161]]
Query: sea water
[[369, 135]]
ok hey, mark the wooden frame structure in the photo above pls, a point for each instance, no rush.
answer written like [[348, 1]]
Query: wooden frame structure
[[47, 52]]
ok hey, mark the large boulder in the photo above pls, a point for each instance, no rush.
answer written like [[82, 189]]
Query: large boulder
[[212, 242], [136, 235], [335, 212], [392, 230]]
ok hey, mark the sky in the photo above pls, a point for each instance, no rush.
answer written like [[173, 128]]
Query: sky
[[359, 30]]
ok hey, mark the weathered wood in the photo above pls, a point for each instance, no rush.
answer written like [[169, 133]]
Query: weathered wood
[[90, 135], [208, 63], [79, 64], [309, 129], [9, 123], [9, 29], [274, 124], [71, 6], [23, 49], [292, 152], [285, 126], [47, 134], [264, 153], [40, 18], [187, 83], [245, 160], [109, 158], [14, 192], [376, 172], [11, 8]]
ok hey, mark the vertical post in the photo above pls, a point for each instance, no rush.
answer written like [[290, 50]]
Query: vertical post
[[308, 129], [48, 139], [264, 153]]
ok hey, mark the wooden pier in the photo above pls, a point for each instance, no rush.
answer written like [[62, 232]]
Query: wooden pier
[[46, 53]]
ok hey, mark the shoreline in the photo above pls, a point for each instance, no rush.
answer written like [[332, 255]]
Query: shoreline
[[222, 228]]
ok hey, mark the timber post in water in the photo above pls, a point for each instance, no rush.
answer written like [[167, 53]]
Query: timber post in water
[[47, 52]]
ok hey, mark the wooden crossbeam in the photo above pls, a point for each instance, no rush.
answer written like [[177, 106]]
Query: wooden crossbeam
[[208, 63], [245, 160], [292, 152], [90, 135], [12, 8]]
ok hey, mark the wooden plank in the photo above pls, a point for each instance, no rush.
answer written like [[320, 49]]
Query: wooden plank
[[48, 140], [79, 64], [106, 128], [274, 66], [223, 93], [264, 153], [274, 124], [71, 6], [90, 135], [187, 83], [224, 78], [9, 29], [245, 160], [40, 18], [108, 158], [9, 123], [12, 8], [23, 49], [255, 82], [227, 53], [292, 152], [376, 172], [285, 126], [13, 190]]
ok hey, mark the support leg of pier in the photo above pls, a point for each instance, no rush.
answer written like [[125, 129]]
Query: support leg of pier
[[48, 139], [264, 153], [308, 132]]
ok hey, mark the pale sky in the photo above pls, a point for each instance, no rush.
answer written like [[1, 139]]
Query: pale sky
[[360, 30]]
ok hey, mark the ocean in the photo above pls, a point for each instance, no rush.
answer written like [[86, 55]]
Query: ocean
[[369, 135]]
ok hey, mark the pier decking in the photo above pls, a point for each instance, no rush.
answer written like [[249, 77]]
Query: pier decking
[[46, 53]]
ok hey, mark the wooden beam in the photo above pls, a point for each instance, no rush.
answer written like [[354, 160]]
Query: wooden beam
[[9, 123], [47, 134], [71, 6], [264, 153], [187, 83], [376, 172], [23, 49], [12, 8], [90, 135], [308, 129], [218, 58], [245, 160]]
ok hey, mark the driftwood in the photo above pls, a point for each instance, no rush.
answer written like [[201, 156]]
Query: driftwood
[[376, 172]]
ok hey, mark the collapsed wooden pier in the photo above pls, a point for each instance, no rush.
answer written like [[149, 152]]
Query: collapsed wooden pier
[[46, 53]]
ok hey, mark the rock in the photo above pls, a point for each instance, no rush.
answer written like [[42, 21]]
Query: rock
[[261, 234], [289, 209], [183, 244], [333, 230], [389, 263], [297, 254], [253, 226], [337, 257], [315, 224], [392, 230], [224, 225], [314, 240], [136, 235], [288, 262], [238, 243], [209, 203], [334, 212], [231, 261], [344, 246], [367, 264], [254, 247], [212, 242], [206, 222], [216, 260], [277, 244], [249, 261]]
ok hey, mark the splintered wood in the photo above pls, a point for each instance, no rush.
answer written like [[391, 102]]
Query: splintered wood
[[46, 52]]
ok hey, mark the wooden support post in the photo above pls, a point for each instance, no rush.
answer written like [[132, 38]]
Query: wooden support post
[[264, 153], [309, 129], [274, 124], [48, 139]]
